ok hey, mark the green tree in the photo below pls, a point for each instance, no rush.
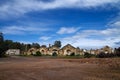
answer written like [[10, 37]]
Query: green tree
[[1, 37], [4, 46], [35, 45], [29, 46], [57, 44], [14, 45], [117, 52], [2, 49]]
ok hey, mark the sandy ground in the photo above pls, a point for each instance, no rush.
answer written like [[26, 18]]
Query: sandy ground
[[37, 68]]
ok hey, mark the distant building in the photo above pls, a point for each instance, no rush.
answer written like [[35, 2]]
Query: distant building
[[13, 52], [53, 49], [107, 49], [68, 50], [43, 50], [31, 51]]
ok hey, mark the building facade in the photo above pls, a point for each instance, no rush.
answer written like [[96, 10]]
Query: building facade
[[68, 50], [13, 52]]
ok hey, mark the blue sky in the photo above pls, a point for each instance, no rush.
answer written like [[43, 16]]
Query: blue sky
[[82, 23]]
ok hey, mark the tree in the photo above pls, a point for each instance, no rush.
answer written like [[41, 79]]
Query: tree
[[9, 44], [4, 46], [35, 45], [57, 44], [43, 46], [1, 37], [14, 45], [2, 49], [29, 46], [117, 52], [22, 48]]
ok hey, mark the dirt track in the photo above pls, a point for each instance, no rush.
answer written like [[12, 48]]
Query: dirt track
[[37, 68]]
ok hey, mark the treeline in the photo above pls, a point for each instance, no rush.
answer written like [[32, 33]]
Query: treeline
[[9, 44]]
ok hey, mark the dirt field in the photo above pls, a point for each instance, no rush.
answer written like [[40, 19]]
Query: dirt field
[[37, 68]]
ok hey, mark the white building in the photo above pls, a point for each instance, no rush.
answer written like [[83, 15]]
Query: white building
[[13, 52]]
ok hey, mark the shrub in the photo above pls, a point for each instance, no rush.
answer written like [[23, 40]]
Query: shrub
[[101, 55], [38, 53], [72, 54], [117, 54], [111, 55], [87, 55], [3, 55], [54, 54]]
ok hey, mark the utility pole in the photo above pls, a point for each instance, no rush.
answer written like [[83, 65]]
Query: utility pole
[[25, 48]]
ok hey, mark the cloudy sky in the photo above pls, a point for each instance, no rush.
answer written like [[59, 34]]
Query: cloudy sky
[[82, 23]]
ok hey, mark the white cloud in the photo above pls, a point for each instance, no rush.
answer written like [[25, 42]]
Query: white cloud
[[67, 30], [85, 42], [116, 24], [95, 38], [20, 7], [45, 38], [112, 31], [22, 30]]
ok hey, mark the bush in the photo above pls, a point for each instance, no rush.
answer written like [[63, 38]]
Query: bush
[[101, 55], [38, 53], [117, 52], [72, 54], [3, 55], [111, 55], [87, 55], [54, 54]]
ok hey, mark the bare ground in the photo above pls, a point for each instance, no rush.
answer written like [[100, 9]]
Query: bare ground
[[37, 68]]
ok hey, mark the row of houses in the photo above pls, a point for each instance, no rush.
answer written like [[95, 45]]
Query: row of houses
[[66, 50]]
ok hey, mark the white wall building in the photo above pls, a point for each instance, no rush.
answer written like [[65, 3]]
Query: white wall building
[[13, 52]]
